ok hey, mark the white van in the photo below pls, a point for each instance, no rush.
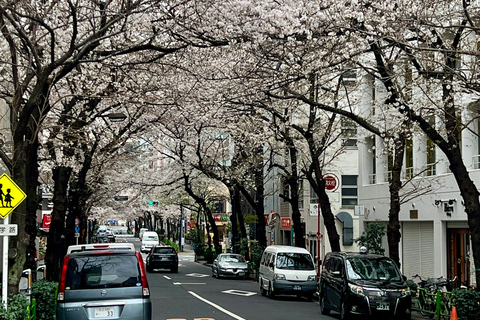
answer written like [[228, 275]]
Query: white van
[[287, 270], [149, 240]]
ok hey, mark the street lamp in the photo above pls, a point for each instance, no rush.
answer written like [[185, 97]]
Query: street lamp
[[115, 117]]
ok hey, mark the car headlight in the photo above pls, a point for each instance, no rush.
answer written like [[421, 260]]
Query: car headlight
[[312, 278], [279, 276], [356, 289]]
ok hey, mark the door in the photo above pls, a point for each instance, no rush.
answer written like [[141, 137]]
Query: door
[[458, 263]]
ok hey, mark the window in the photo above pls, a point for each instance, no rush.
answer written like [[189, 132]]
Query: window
[[313, 196], [349, 191], [409, 158], [431, 157], [300, 194], [294, 261], [349, 132], [219, 206], [102, 271]]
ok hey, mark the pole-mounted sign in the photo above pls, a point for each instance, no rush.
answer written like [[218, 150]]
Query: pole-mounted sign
[[10, 197]]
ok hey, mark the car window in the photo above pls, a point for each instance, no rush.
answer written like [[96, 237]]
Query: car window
[[294, 261], [232, 258], [373, 269], [164, 250], [150, 237], [102, 271]]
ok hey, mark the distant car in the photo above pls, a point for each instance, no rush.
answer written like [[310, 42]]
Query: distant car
[[162, 257], [149, 240], [110, 236], [230, 265], [104, 281], [363, 284]]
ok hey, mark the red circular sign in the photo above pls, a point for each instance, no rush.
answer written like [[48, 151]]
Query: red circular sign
[[331, 182]]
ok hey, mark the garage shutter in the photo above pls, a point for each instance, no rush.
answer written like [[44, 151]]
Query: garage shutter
[[418, 255]]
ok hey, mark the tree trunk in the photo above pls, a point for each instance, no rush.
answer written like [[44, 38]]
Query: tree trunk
[[56, 243], [393, 228], [18, 245], [32, 204]]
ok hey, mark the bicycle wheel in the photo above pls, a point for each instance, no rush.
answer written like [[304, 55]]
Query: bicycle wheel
[[446, 307]]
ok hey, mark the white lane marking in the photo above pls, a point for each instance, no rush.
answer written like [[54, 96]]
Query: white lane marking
[[231, 314], [197, 275], [182, 283], [240, 292], [168, 278]]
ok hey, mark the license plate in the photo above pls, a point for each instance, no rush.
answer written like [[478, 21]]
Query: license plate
[[241, 273], [297, 288], [104, 312], [383, 306]]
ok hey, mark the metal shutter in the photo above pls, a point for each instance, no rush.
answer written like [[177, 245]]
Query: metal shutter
[[418, 255]]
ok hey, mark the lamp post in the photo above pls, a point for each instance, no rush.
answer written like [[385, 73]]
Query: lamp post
[[115, 116]]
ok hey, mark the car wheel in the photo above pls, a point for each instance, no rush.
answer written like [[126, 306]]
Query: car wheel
[[271, 293], [149, 268], [323, 308], [174, 269], [344, 311], [217, 274], [213, 273], [262, 290]]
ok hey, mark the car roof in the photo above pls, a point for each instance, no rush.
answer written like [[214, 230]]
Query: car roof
[[101, 246], [283, 248], [355, 254]]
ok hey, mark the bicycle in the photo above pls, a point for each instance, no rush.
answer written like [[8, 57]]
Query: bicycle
[[422, 299], [433, 297]]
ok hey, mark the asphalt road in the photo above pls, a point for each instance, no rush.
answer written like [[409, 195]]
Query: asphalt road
[[192, 294]]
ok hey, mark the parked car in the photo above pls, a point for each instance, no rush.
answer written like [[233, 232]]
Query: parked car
[[230, 265], [287, 270], [103, 281], [364, 284], [162, 257], [149, 240]]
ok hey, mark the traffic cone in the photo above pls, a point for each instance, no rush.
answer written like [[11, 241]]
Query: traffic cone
[[453, 314]]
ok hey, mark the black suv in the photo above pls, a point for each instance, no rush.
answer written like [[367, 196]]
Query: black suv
[[162, 257], [362, 283]]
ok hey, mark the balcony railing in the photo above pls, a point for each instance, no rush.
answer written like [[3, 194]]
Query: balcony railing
[[431, 169]]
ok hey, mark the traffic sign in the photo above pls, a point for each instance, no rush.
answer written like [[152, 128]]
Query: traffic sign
[[10, 195], [8, 229]]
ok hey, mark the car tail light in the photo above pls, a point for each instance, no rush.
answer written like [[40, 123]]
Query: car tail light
[[143, 275], [61, 285]]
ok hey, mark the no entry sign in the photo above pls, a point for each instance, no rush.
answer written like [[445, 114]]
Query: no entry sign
[[331, 182]]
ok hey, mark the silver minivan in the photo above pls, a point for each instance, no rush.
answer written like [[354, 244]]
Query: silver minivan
[[103, 284]]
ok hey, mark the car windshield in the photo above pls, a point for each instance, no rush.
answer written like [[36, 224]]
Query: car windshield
[[151, 238], [294, 261], [164, 250], [372, 269], [232, 258], [102, 271]]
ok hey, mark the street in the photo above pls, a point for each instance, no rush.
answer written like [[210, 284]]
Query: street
[[193, 293]]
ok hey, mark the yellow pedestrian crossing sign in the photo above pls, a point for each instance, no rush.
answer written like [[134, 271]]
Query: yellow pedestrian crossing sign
[[10, 195]]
